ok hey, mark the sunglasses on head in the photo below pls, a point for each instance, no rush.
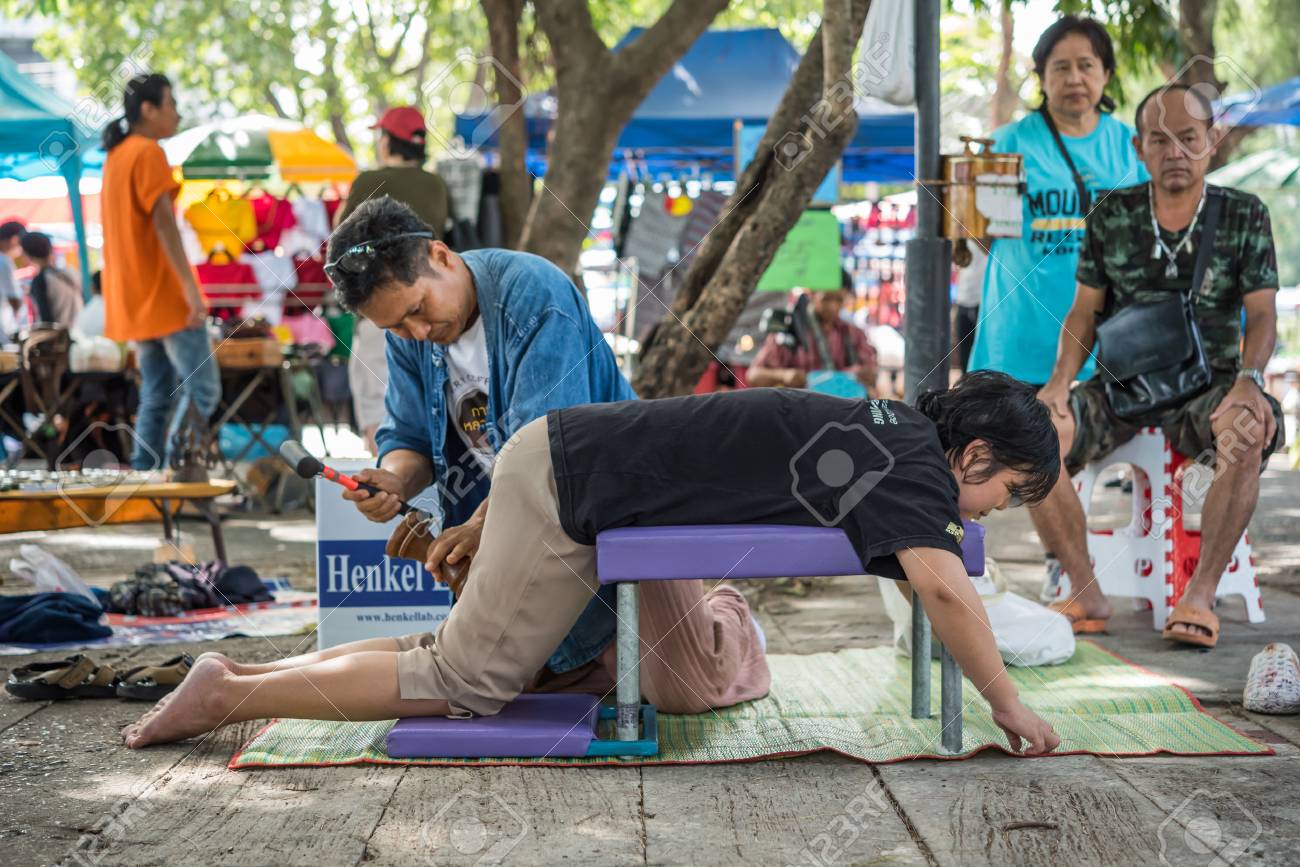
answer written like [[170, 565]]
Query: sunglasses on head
[[356, 259]]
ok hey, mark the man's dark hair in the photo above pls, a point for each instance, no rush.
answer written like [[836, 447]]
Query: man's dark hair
[[1197, 93], [406, 150], [1089, 28], [402, 260], [11, 230], [36, 245], [1005, 413]]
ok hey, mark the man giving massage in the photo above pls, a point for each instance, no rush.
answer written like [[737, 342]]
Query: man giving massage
[[897, 480]]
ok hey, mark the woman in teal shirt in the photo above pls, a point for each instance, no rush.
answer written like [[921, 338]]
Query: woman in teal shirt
[[1029, 282]]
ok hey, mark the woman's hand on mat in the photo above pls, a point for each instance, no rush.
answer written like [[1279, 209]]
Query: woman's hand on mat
[[450, 553], [1026, 731], [380, 507]]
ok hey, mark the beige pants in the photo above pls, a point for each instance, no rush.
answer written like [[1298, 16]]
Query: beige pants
[[527, 586]]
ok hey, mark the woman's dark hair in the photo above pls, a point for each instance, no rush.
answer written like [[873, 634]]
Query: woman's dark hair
[[139, 90], [401, 260], [1089, 28], [97, 283], [1005, 413], [37, 245], [405, 150]]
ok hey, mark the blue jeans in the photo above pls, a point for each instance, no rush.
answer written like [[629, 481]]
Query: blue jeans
[[175, 371]]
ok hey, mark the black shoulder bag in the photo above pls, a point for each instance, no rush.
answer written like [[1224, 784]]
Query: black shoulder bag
[[1150, 356]]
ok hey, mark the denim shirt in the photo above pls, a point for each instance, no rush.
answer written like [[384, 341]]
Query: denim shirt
[[544, 352]]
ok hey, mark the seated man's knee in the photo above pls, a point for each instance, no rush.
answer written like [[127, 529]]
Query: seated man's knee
[[1239, 435]]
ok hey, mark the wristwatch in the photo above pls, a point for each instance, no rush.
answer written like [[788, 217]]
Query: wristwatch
[[1254, 376]]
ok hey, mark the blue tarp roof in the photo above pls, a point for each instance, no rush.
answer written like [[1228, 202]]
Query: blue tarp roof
[[39, 135], [688, 119], [1279, 104]]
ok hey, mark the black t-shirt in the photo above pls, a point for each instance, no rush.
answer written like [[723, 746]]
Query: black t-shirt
[[874, 468]]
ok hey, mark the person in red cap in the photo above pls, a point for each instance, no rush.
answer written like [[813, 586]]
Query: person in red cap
[[401, 174]]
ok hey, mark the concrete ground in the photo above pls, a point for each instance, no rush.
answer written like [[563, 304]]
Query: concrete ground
[[72, 794]]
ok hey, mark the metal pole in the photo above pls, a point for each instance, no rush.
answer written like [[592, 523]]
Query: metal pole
[[629, 662], [949, 702], [928, 256], [926, 338], [920, 661]]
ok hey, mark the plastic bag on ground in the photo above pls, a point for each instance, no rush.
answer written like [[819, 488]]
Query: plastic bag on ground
[[47, 573], [1027, 633]]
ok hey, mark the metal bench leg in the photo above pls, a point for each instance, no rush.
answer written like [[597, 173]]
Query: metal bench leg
[[629, 662], [950, 702], [920, 661]]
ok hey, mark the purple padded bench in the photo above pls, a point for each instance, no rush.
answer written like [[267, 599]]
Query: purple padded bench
[[561, 724], [629, 555]]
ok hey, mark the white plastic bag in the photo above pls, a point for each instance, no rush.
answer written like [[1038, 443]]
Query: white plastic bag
[[888, 52], [47, 573], [1027, 633]]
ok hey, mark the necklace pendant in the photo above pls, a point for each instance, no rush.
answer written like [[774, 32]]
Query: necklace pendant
[[1171, 269]]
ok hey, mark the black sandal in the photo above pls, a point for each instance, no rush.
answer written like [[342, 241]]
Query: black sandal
[[152, 682], [75, 677]]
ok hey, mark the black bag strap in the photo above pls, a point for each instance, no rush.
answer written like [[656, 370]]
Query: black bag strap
[[1085, 198], [1213, 207]]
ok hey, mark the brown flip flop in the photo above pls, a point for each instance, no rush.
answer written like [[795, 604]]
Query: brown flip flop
[[75, 677], [1080, 622], [1191, 615], [152, 682]]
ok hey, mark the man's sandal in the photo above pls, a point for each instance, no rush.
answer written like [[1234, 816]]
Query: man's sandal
[[1190, 615], [152, 682], [1080, 622], [75, 677]]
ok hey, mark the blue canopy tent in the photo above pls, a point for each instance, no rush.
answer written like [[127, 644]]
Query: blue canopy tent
[[1279, 104], [39, 135], [689, 119]]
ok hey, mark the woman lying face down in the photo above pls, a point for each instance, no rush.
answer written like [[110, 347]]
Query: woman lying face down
[[897, 480]]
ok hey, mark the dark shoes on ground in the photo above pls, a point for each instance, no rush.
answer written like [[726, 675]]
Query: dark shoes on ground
[[81, 677]]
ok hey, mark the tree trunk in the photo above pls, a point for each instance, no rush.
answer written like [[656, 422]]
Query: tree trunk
[[597, 91], [1004, 95], [817, 111], [512, 137]]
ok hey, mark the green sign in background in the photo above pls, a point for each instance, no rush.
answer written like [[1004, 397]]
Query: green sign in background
[[809, 257]]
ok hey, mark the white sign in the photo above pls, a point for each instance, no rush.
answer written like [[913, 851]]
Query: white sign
[[363, 592]]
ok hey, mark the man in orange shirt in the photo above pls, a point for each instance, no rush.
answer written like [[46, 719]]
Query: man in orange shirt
[[150, 294]]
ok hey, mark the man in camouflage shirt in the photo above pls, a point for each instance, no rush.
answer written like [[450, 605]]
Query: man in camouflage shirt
[[1233, 425]]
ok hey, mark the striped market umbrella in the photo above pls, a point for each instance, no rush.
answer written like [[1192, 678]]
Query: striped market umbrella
[[257, 147]]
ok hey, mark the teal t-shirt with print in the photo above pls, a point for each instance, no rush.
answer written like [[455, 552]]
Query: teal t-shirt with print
[[1029, 281]]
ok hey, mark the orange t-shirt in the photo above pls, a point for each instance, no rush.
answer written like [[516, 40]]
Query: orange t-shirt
[[143, 297]]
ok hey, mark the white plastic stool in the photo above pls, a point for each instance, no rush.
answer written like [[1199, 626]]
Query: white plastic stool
[[1153, 558]]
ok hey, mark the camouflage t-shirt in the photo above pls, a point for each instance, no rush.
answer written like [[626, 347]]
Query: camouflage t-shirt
[[1116, 257]]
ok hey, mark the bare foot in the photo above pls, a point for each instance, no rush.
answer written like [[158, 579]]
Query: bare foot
[[225, 661], [193, 709]]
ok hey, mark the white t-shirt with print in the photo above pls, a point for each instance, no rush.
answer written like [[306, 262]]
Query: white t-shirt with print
[[467, 392]]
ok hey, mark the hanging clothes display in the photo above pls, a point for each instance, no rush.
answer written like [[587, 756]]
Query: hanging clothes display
[[273, 215], [464, 179], [222, 220], [311, 229]]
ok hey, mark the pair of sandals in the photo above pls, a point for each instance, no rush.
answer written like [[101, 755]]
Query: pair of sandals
[[81, 677], [1184, 615]]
